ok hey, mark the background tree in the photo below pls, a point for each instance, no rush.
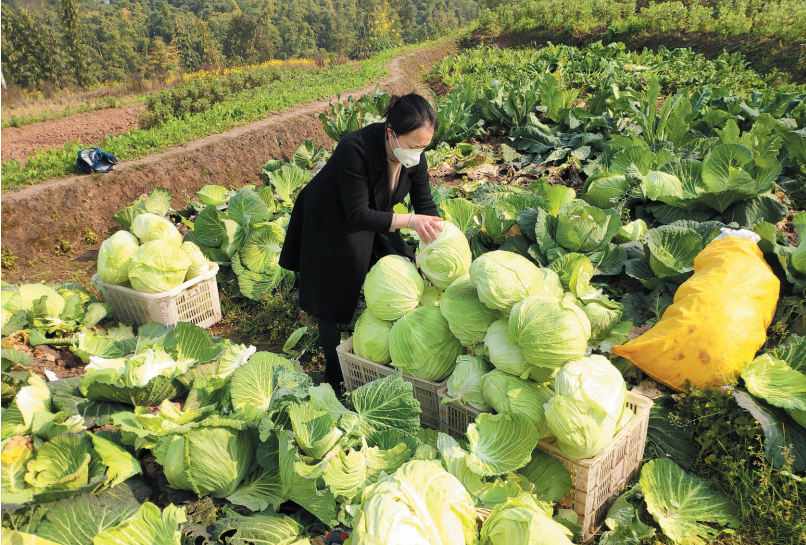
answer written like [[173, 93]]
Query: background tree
[[73, 39]]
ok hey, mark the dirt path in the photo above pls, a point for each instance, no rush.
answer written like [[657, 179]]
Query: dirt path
[[36, 217], [87, 127]]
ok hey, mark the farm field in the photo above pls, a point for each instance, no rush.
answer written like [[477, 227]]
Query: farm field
[[586, 190]]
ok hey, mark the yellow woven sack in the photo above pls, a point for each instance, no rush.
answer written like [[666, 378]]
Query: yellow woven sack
[[718, 320]]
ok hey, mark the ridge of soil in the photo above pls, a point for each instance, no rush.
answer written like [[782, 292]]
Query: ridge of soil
[[20, 142], [35, 218]]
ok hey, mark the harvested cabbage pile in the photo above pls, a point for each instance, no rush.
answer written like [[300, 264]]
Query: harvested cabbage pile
[[506, 335], [150, 255]]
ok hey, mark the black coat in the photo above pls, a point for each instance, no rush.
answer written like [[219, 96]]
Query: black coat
[[343, 213]]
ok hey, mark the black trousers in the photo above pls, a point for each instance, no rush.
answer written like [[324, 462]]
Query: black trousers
[[330, 337], [330, 332]]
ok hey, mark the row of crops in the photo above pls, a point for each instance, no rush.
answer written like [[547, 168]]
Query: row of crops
[[612, 171]]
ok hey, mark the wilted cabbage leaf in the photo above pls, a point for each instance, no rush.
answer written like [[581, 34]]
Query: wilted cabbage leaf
[[464, 384], [148, 527], [500, 443], [680, 503], [510, 394], [551, 479]]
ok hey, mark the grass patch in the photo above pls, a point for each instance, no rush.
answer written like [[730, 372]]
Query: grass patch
[[771, 504], [268, 324]]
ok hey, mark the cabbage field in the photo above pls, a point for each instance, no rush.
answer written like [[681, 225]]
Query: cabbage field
[[578, 187]]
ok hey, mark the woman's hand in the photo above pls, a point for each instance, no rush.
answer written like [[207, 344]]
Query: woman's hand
[[426, 227]]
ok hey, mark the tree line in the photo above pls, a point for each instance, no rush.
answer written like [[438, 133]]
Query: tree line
[[84, 42]]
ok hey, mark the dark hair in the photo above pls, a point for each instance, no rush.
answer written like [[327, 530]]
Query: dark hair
[[409, 113]]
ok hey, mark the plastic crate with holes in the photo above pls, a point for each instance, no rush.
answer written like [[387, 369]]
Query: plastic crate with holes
[[596, 481], [358, 371], [195, 301]]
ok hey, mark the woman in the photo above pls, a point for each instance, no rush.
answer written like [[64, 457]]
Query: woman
[[343, 222]]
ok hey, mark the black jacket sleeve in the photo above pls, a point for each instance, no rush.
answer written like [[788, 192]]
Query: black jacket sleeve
[[354, 187], [420, 192]]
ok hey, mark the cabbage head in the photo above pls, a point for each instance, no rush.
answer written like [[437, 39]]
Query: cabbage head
[[446, 258], [464, 384], [506, 393], [158, 266], [420, 504], [551, 331], [393, 287], [582, 430], [467, 316], [421, 345], [150, 227], [210, 457], [28, 294], [525, 521], [371, 338], [115, 256], [198, 263], [595, 381], [503, 353], [589, 406], [503, 278]]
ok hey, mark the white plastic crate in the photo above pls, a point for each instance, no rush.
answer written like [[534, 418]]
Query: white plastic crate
[[195, 301], [358, 371]]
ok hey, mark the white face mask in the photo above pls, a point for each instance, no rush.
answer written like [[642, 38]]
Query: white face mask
[[407, 157]]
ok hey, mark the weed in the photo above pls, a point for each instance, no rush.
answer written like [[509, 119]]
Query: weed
[[55, 215], [8, 260], [36, 261], [63, 247], [89, 237], [771, 504], [271, 322]]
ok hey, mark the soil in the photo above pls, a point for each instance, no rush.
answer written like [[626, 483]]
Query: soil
[[36, 217], [20, 142], [57, 359]]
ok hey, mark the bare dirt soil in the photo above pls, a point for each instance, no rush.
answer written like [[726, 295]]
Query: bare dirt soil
[[36, 217], [19, 142]]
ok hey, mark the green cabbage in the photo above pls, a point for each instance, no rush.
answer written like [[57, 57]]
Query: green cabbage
[[503, 278], [421, 345], [510, 394], [467, 316], [594, 380], [504, 354], [523, 521], [464, 384], [551, 331], [420, 504], [589, 406], [446, 258], [150, 227], [115, 256], [198, 263], [371, 338], [158, 266], [210, 457], [28, 294], [393, 287]]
